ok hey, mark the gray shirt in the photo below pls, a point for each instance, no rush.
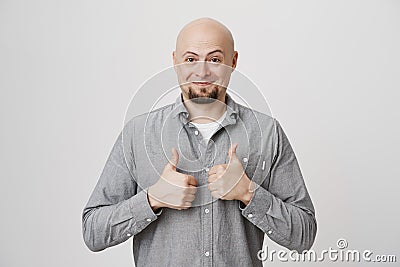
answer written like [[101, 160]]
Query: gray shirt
[[213, 232]]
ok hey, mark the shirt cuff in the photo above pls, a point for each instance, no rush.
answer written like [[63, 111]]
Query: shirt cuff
[[142, 211], [258, 205]]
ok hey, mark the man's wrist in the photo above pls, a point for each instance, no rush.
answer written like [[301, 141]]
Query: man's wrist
[[154, 204], [248, 195]]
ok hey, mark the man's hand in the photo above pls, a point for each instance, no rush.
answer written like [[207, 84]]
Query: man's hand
[[173, 190], [229, 181]]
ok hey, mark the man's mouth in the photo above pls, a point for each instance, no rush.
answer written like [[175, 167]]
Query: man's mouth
[[202, 83]]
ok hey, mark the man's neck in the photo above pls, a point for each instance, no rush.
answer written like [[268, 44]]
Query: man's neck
[[205, 112]]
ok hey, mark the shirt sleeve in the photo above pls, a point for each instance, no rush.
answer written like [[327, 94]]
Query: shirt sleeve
[[116, 209], [281, 206]]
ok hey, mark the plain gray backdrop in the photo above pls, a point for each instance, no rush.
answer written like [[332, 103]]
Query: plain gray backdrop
[[68, 69]]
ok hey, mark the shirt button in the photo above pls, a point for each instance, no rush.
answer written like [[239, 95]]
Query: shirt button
[[245, 159], [128, 234], [269, 232], [250, 215], [148, 219], [206, 211], [207, 253], [196, 132]]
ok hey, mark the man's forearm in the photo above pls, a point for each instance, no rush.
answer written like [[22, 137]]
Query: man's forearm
[[106, 226], [291, 226]]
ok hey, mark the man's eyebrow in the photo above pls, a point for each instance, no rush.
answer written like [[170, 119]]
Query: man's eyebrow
[[189, 52], [215, 51], [212, 52]]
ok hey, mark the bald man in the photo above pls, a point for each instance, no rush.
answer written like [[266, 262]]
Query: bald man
[[231, 176]]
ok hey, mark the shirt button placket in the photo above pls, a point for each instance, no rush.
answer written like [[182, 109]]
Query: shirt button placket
[[207, 209], [207, 235]]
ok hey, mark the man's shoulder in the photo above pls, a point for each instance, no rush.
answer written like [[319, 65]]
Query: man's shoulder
[[153, 116], [250, 115]]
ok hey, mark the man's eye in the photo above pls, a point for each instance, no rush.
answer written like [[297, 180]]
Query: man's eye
[[190, 59], [215, 60]]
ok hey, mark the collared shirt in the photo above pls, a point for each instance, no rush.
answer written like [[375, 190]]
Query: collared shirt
[[213, 232]]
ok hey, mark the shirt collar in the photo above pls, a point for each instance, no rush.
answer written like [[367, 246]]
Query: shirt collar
[[231, 108]]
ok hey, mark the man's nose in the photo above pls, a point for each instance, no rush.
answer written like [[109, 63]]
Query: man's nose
[[202, 69]]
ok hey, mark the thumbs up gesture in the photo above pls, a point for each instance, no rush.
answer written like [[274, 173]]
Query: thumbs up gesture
[[229, 181], [173, 190]]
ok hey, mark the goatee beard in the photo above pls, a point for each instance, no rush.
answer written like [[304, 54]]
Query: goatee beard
[[196, 98]]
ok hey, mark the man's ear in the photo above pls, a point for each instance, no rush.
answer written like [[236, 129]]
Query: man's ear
[[174, 57], [234, 59]]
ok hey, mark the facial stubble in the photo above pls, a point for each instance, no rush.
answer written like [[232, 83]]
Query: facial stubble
[[203, 99]]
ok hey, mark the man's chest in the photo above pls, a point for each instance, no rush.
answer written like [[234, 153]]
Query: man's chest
[[196, 155]]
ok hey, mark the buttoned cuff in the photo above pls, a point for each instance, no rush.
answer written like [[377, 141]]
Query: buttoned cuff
[[142, 211], [258, 206]]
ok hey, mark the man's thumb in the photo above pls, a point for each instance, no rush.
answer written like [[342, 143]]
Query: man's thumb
[[174, 160], [232, 151]]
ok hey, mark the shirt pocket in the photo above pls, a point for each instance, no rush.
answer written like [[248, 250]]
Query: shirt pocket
[[251, 164], [250, 170], [258, 170]]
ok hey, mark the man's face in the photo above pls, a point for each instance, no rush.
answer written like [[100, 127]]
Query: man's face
[[204, 60]]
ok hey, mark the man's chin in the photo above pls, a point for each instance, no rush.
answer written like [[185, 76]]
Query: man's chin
[[203, 96]]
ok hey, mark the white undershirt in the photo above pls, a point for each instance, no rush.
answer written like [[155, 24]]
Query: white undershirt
[[208, 129]]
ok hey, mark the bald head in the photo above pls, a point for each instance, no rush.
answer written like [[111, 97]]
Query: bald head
[[209, 43], [205, 31]]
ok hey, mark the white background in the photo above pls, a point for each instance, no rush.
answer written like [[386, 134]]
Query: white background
[[68, 69]]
